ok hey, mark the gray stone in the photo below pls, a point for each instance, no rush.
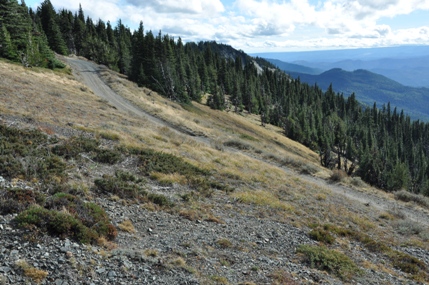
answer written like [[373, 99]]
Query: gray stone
[[5, 269]]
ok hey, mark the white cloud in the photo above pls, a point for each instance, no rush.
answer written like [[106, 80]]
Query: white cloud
[[265, 24], [180, 6]]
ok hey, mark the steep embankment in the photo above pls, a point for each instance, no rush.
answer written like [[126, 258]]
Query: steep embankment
[[240, 221]]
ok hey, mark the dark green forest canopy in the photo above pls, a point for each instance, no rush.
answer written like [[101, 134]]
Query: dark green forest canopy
[[383, 146]]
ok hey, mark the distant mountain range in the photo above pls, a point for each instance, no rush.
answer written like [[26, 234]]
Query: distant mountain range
[[408, 65], [399, 75], [370, 87]]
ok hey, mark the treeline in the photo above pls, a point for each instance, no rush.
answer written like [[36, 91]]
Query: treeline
[[384, 147], [22, 38]]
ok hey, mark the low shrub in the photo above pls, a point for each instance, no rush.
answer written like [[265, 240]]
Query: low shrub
[[10, 166], [151, 160], [308, 169], [238, 145], [247, 137], [400, 260], [159, 199], [122, 185], [406, 196], [331, 261], [407, 263], [66, 215], [55, 223], [408, 227], [321, 235], [49, 168], [107, 156], [74, 146], [281, 277], [338, 175], [110, 136], [224, 243], [358, 182], [14, 201]]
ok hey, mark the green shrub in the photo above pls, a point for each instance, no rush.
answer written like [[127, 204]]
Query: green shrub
[[407, 263], [152, 161], [50, 167], [160, 200], [107, 156], [308, 169], [331, 261], [55, 223], [120, 185], [66, 215], [17, 200], [90, 214], [201, 184], [10, 166], [19, 142], [322, 236], [400, 260], [74, 146]]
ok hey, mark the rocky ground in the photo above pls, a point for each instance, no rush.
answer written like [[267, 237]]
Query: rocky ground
[[203, 240]]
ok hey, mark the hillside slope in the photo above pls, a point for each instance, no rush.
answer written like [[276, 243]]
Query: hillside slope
[[370, 87], [250, 216]]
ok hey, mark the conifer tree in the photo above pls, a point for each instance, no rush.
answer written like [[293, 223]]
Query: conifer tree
[[48, 18]]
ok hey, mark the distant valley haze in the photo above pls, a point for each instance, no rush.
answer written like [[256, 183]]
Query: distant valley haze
[[399, 75]]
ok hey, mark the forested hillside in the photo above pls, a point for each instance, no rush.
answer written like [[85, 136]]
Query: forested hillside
[[370, 87], [383, 146]]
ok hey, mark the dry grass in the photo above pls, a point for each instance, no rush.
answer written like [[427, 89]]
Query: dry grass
[[169, 179], [127, 226], [224, 243], [151, 252], [31, 272], [48, 98], [263, 198]]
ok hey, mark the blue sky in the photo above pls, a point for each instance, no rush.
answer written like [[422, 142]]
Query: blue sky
[[271, 25]]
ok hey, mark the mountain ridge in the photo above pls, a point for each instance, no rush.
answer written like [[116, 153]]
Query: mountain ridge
[[370, 87], [398, 63]]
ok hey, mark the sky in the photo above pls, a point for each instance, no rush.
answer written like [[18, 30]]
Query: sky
[[270, 25]]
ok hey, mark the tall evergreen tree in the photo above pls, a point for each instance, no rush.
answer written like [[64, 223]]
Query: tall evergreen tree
[[48, 18]]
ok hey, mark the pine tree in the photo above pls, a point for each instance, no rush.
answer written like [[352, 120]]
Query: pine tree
[[48, 18], [137, 73]]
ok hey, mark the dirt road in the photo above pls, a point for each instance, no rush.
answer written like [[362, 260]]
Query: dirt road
[[88, 73]]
